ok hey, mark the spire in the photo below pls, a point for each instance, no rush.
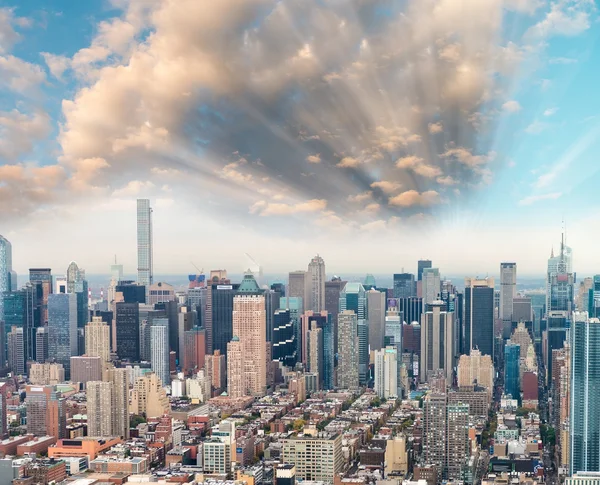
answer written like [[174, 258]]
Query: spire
[[552, 252]]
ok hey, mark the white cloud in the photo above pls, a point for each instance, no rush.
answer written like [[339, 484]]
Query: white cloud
[[447, 180], [537, 198], [466, 157], [386, 186], [414, 198], [362, 197], [57, 65], [436, 127], [550, 111], [511, 106], [536, 127], [562, 60], [348, 162], [8, 35], [20, 76], [314, 158], [264, 208], [564, 19], [19, 132]]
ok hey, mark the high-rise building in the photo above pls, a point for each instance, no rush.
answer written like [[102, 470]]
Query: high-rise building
[[353, 297], [41, 344], [120, 401], [235, 369], [457, 454], [437, 342], [3, 418], [219, 311], [85, 369], [333, 289], [19, 311], [394, 336], [376, 318], [299, 287], [316, 281], [386, 372], [16, 354], [272, 300], [563, 263], [46, 374], [218, 452], [283, 343], [41, 280], [315, 352], [404, 285], [216, 370], [149, 397], [585, 394], [99, 408], [144, 242], [160, 292], [8, 280], [348, 350], [508, 292], [97, 339], [249, 324], [476, 369], [46, 413], [434, 430], [62, 329], [159, 351], [422, 265], [512, 354], [127, 323], [194, 350], [478, 329], [430, 285], [315, 457], [411, 309]]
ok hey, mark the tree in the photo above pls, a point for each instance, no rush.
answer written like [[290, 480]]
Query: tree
[[135, 420], [299, 424]]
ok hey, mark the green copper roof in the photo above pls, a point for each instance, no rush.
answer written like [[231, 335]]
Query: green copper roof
[[369, 280], [249, 284]]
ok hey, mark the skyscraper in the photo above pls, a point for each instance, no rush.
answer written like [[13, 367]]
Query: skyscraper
[[563, 263], [404, 285], [422, 264], [333, 289], [46, 413], [97, 339], [99, 408], [283, 345], [476, 369], [159, 352], [512, 353], [16, 354], [457, 454], [85, 369], [386, 372], [194, 350], [41, 280], [299, 287], [19, 311], [127, 325], [348, 350], [376, 318], [585, 394], [508, 292], [430, 285], [437, 342], [219, 308], [235, 369], [478, 329], [144, 243], [354, 297], [8, 281], [434, 430], [62, 329], [119, 381], [316, 281]]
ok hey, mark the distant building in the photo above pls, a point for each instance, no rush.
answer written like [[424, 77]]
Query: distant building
[[376, 318], [159, 351], [86, 368], [144, 242], [99, 408], [149, 397], [479, 316], [404, 285], [512, 353], [62, 328], [508, 292], [127, 325], [438, 348], [386, 372], [430, 285], [97, 339], [348, 350], [354, 297], [46, 413], [476, 369], [316, 283], [160, 292], [315, 457], [16, 351], [46, 374]]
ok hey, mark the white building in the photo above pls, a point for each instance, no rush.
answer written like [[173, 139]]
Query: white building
[[386, 372], [159, 351]]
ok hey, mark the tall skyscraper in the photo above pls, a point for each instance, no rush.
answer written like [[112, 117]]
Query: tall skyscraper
[[434, 430], [348, 350], [376, 318], [85, 369], [563, 263], [299, 287], [437, 342], [249, 325], [159, 351], [144, 243], [478, 329], [354, 297], [316, 280], [127, 325], [219, 311], [404, 285], [422, 265], [315, 362], [62, 329], [97, 339], [512, 354], [41, 280], [235, 369], [333, 289], [394, 336], [386, 372], [283, 345], [508, 292], [194, 350], [16, 354], [99, 408], [46, 413], [8, 280], [457, 454], [19, 311], [476, 369], [585, 394], [431, 285], [411, 309], [119, 381]]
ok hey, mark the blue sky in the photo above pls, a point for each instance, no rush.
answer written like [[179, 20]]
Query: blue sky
[[395, 130]]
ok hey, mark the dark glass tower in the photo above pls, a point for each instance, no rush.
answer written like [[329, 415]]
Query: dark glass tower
[[127, 321], [512, 353], [404, 285], [421, 265], [479, 316], [284, 346], [220, 321]]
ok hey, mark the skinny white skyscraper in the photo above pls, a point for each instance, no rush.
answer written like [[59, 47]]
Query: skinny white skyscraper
[[6, 273], [144, 242], [159, 359], [316, 275], [508, 292]]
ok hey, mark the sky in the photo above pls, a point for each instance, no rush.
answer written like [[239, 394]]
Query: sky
[[371, 132]]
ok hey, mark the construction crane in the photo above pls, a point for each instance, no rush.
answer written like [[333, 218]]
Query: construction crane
[[200, 271]]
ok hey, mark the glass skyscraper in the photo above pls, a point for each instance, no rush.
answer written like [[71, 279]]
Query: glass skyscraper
[[144, 242], [62, 328], [512, 354], [404, 285], [19, 307], [8, 281], [127, 320], [585, 394], [478, 332], [353, 297]]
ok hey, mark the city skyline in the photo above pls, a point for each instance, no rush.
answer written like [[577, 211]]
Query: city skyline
[[493, 151]]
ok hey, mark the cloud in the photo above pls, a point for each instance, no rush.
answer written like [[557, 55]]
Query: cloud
[[386, 186], [57, 65], [532, 199], [20, 76], [436, 127], [511, 107], [536, 127], [550, 111], [348, 162], [8, 35], [19, 132], [409, 161], [362, 197], [564, 18], [264, 208], [314, 158], [414, 198], [466, 157], [447, 180]]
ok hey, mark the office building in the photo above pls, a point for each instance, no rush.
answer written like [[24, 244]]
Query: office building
[[120, 401], [306, 320], [8, 279], [272, 300], [159, 353], [99, 408], [411, 308], [376, 318], [585, 394], [437, 342], [560, 264], [62, 329], [130, 292], [512, 354], [144, 243], [476, 369], [46, 374], [283, 343], [386, 372], [127, 323], [20, 311], [85, 368], [317, 458], [353, 297], [97, 339], [458, 453], [404, 285], [394, 336], [219, 312], [218, 452], [148, 397], [430, 285], [315, 353], [41, 344], [216, 369], [41, 280], [333, 289], [46, 413], [434, 430], [249, 325], [299, 287], [235, 369], [348, 350], [16, 353], [478, 328], [194, 350], [523, 310], [555, 337], [316, 284], [160, 292], [508, 292]]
